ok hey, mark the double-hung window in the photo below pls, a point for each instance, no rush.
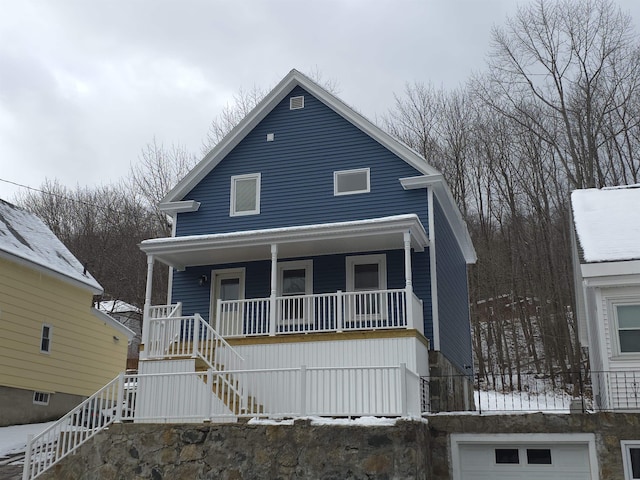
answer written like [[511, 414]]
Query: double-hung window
[[628, 322], [45, 339], [245, 194]]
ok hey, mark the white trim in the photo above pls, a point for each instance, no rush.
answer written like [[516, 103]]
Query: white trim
[[307, 265], [337, 173], [551, 439], [257, 177], [91, 284], [172, 208], [435, 316], [380, 259], [625, 446], [49, 337], [113, 323], [177, 251], [294, 100], [614, 300], [46, 395], [217, 274], [437, 184]]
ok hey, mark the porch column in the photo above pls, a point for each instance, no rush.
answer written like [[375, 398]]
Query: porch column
[[147, 305], [272, 298], [408, 279]]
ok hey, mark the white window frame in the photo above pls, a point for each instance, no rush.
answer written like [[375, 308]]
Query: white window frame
[[379, 258], [41, 398], [337, 173], [626, 446], [49, 337], [307, 266], [232, 201], [612, 308], [293, 100]]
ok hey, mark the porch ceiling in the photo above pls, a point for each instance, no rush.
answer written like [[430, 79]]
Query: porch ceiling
[[301, 241]]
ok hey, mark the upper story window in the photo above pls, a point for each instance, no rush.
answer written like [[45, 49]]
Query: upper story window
[[45, 339], [349, 182], [628, 317], [245, 194]]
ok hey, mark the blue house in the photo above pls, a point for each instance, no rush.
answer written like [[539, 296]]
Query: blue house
[[309, 241]]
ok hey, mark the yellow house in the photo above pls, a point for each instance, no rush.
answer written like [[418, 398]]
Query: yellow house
[[55, 348]]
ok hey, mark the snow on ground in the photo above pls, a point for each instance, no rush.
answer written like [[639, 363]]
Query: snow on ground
[[14, 438]]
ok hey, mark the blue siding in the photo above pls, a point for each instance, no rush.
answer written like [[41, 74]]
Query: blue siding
[[329, 275], [453, 294], [297, 175]]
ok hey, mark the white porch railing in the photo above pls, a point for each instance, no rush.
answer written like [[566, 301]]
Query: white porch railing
[[192, 337], [327, 312], [202, 396]]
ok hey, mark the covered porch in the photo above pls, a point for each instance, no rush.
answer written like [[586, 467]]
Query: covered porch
[[294, 304]]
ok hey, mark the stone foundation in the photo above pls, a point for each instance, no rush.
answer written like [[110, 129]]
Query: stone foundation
[[449, 389]]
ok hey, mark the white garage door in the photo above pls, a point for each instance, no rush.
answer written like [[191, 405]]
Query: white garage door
[[524, 461]]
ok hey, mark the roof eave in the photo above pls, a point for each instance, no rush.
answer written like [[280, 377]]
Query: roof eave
[[91, 284]]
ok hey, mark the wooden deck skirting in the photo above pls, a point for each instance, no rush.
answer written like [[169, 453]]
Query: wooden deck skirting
[[329, 337]]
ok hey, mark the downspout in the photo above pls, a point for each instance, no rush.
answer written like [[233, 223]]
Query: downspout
[[433, 271]]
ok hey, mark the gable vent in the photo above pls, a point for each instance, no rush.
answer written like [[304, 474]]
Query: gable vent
[[296, 103]]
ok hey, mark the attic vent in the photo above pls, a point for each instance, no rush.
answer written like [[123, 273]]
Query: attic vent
[[296, 103]]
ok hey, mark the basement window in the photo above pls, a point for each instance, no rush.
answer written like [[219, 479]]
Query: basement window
[[41, 398], [349, 182]]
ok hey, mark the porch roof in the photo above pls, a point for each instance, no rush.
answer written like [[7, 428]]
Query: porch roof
[[382, 233]]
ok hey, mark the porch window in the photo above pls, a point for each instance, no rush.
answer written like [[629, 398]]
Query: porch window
[[45, 338], [366, 273], [245, 194], [628, 316], [349, 182], [295, 281]]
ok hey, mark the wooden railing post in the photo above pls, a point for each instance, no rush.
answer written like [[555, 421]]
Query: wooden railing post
[[195, 335], [26, 471], [120, 400]]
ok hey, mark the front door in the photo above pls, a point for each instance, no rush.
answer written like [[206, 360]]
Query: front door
[[228, 285]]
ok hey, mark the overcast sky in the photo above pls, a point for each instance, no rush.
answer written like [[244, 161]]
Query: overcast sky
[[85, 85]]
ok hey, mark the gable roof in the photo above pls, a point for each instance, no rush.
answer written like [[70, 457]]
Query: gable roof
[[174, 200], [266, 105], [607, 223], [26, 239]]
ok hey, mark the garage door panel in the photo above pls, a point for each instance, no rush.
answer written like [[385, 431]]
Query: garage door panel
[[478, 462]]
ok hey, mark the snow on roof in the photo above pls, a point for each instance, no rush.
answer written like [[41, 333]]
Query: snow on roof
[[607, 223], [117, 306], [24, 236]]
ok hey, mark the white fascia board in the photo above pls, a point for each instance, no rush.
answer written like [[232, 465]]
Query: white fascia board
[[264, 107], [608, 269], [90, 285], [112, 322], [384, 225], [179, 207], [451, 210]]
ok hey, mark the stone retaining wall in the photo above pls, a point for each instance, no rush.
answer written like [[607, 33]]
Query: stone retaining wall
[[247, 451], [417, 449]]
